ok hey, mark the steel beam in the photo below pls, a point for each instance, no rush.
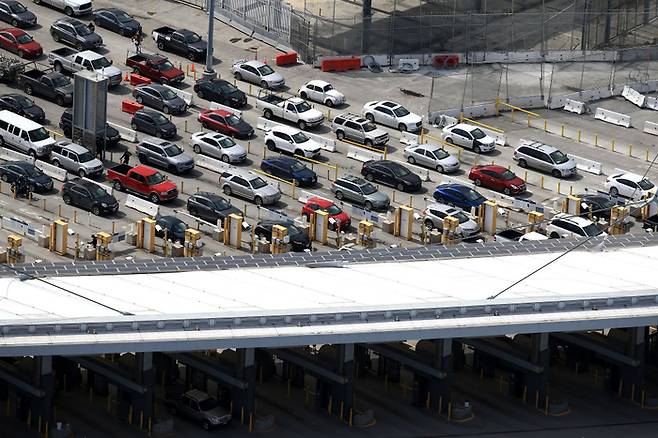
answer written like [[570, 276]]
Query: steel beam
[[13, 377], [110, 372], [407, 358], [311, 366], [493, 349], [209, 368], [597, 348]]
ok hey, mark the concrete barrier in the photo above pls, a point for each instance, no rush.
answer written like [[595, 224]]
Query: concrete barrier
[[650, 128], [500, 137], [187, 97], [651, 103], [371, 216], [326, 144], [51, 171], [633, 96], [215, 106], [125, 133], [266, 213], [305, 195], [108, 189], [10, 155], [587, 165], [408, 138], [574, 106], [613, 117], [363, 155], [21, 227], [142, 205], [213, 164]]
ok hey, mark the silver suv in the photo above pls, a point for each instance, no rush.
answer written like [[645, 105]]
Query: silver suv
[[75, 159], [250, 186], [165, 154], [436, 212], [357, 128], [356, 189], [199, 407], [544, 157]]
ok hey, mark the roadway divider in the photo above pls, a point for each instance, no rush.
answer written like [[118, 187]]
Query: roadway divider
[[633, 96], [125, 133], [108, 189], [574, 106], [651, 103], [408, 138], [219, 106], [613, 117], [21, 227], [213, 164], [491, 131], [361, 154], [51, 171], [305, 195], [10, 155], [587, 165], [292, 185], [187, 97], [142, 205], [651, 128], [326, 144], [329, 167], [266, 213], [376, 218]]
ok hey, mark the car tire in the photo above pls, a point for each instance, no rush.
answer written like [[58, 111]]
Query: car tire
[[166, 109], [556, 173], [20, 54], [477, 182], [258, 201], [370, 177], [82, 173], [161, 45], [205, 425], [302, 125], [554, 236], [522, 163], [191, 56], [32, 153], [368, 143], [55, 36], [237, 76], [477, 149], [402, 127], [299, 152], [59, 100], [614, 191], [200, 94], [4, 177], [80, 47], [507, 191], [411, 160], [439, 168], [133, 126], [68, 11], [139, 100], [370, 117], [192, 211], [368, 205], [227, 190], [339, 195], [429, 225], [67, 199], [400, 187], [154, 198], [96, 210], [271, 146], [196, 148], [28, 90], [329, 103], [116, 185], [55, 163], [267, 114], [263, 84], [340, 135], [14, 22], [226, 159], [142, 158], [97, 22], [303, 95], [58, 67], [450, 140]]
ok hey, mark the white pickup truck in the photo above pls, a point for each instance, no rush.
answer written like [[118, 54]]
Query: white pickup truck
[[294, 109], [67, 59]]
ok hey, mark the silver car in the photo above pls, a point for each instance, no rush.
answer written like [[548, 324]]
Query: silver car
[[165, 154], [250, 186], [469, 136], [434, 214], [431, 156], [75, 159], [219, 146], [356, 128], [258, 73], [356, 189], [544, 157], [201, 408], [160, 97]]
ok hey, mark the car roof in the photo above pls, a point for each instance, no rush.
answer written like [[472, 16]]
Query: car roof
[[156, 141], [629, 176], [170, 218], [427, 146], [55, 74], [186, 32], [68, 144], [271, 222], [389, 104], [18, 163], [149, 111], [464, 126], [209, 195], [152, 85], [81, 182], [318, 82], [282, 159], [320, 201], [493, 167], [214, 135], [455, 186], [285, 129], [353, 179], [14, 118], [73, 21], [220, 112], [353, 117], [14, 31], [539, 146], [442, 207], [196, 394], [580, 221], [254, 63], [144, 170]]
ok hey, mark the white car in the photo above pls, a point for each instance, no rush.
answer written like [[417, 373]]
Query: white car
[[258, 73], [469, 136], [291, 140], [219, 146], [630, 185], [431, 156], [436, 212], [392, 114], [566, 225], [70, 7], [323, 92]]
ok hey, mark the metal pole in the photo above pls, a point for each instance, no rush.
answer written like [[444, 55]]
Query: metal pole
[[209, 73]]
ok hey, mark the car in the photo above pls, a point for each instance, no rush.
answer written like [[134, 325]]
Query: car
[[153, 123], [37, 181], [173, 227], [323, 92], [258, 73], [89, 196], [291, 109], [75, 33], [630, 185], [392, 174], [435, 213], [299, 239], [226, 123], [250, 186], [392, 114], [497, 178], [432, 156], [469, 137], [338, 219], [218, 146], [112, 136], [164, 154], [220, 91], [291, 140], [14, 12], [75, 159], [117, 21], [23, 106], [51, 85], [160, 97], [596, 204], [19, 42], [199, 407], [289, 169], [458, 195], [358, 190], [70, 7], [545, 158], [565, 225], [354, 127], [210, 207]]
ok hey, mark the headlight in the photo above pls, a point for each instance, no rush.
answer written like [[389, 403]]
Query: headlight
[[103, 204], [514, 187]]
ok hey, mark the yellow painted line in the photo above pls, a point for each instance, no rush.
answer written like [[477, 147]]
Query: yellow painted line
[[273, 177]]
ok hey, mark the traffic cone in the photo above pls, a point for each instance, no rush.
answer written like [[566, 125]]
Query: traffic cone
[[265, 61], [126, 78], [193, 69]]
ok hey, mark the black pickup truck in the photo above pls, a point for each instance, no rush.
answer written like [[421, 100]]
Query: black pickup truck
[[51, 85], [181, 41]]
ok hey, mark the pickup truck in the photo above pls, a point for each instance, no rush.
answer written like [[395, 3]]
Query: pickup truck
[[294, 110], [155, 67], [66, 59], [143, 181], [181, 41], [50, 85], [518, 236]]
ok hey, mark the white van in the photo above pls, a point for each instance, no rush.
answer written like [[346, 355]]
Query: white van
[[25, 135]]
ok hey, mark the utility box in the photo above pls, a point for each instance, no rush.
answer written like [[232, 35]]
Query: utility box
[[59, 234], [90, 111], [404, 222]]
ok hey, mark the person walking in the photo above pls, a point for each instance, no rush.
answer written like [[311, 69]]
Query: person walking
[[125, 158], [137, 41]]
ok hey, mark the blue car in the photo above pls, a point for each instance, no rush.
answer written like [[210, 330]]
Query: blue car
[[458, 195], [289, 169]]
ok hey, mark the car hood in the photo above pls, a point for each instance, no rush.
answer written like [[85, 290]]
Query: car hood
[[235, 150], [34, 112], [181, 159], [268, 190], [169, 126], [108, 199], [231, 210], [92, 38], [92, 164], [274, 77], [164, 186], [42, 180], [66, 89], [517, 182], [310, 145], [173, 73], [110, 71], [450, 160], [335, 94], [32, 46], [134, 25], [77, 2], [199, 46], [470, 224], [377, 197], [411, 178], [312, 114], [487, 139], [342, 217], [25, 16], [243, 127], [410, 119], [304, 174]]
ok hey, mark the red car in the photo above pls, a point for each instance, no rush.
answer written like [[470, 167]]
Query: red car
[[226, 123], [335, 212], [497, 178], [19, 42]]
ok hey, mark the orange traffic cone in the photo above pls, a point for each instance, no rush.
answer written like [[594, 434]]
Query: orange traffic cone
[[126, 78], [193, 69]]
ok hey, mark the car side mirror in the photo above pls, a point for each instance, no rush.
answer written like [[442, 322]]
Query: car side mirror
[[584, 205], [111, 62]]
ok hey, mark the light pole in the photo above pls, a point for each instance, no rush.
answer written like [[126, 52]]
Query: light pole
[[209, 72]]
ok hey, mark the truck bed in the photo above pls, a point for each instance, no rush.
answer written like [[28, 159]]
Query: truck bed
[[139, 58], [120, 169], [64, 52], [33, 74], [271, 98], [164, 30]]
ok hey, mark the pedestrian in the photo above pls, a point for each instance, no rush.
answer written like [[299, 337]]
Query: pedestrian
[[137, 41], [91, 26], [94, 240], [125, 158]]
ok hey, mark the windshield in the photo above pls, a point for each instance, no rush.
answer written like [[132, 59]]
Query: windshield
[[85, 157], [32, 171], [471, 195], [207, 404], [400, 111], [400, 171], [368, 189], [333, 209], [165, 66], [440, 154], [225, 87], [99, 63], [220, 203], [167, 94], [97, 191], [591, 230], [156, 178], [159, 119], [265, 70], [257, 183], [328, 87], [233, 120], [83, 30], [172, 150], [507, 175], [192, 38], [369, 127], [60, 81], [24, 39], [303, 107], [299, 138], [226, 142], [297, 166], [17, 8], [38, 134], [23, 101], [645, 184], [179, 227], [478, 133], [559, 158], [123, 17]]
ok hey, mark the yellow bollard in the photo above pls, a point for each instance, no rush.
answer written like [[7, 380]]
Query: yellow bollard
[[130, 415], [186, 126], [242, 415], [630, 150], [329, 114], [459, 154], [579, 136], [29, 418], [525, 393], [91, 395], [596, 139], [525, 176], [546, 406], [450, 411], [558, 187], [150, 425], [75, 216], [427, 401], [411, 200], [109, 409], [570, 190], [562, 130], [647, 157], [440, 404], [393, 195], [141, 420], [541, 182], [264, 152], [350, 423], [545, 125], [251, 422], [330, 404], [612, 145], [528, 120], [249, 147], [341, 409], [182, 187], [250, 89]]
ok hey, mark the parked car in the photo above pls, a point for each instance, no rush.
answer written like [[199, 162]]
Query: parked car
[[210, 207], [50, 85], [220, 91], [70, 60], [24, 135], [226, 123], [392, 174], [469, 137], [75, 33], [155, 67], [545, 158], [21, 105], [355, 128], [251, 186], [299, 239], [431, 156], [112, 136], [392, 114], [323, 92], [289, 169], [338, 219], [258, 73], [292, 109], [89, 196], [512, 235], [182, 41], [14, 12], [171, 227], [598, 204], [497, 178], [435, 213], [630, 185], [36, 179], [19, 42], [117, 21], [565, 225], [291, 140], [75, 159], [458, 195], [164, 154], [358, 190], [200, 408], [142, 181], [160, 97], [218, 146], [70, 7], [153, 123]]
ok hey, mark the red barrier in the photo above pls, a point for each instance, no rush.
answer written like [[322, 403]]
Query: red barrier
[[446, 61], [130, 106], [136, 79], [341, 64], [286, 58]]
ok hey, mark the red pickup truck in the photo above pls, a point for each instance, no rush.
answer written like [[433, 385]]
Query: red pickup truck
[[155, 67], [143, 181]]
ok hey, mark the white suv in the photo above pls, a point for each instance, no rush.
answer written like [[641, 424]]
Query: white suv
[[565, 225], [291, 140]]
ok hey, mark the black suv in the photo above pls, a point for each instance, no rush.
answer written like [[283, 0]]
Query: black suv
[[210, 207], [112, 136], [37, 181], [89, 196], [175, 228], [220, 91], [299, 240], [392, 174], [154, 123], [21, 105]]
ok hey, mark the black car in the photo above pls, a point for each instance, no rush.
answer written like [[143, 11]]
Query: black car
[[210, 207], [37, 181], [16, 13], [599, 204], [21, 105], [89, 196], [175, 228], [392, 174], [112, 136], [220, 91], [299, 240], [289, 169], [117, 21], [75, 33], [154, 123]]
